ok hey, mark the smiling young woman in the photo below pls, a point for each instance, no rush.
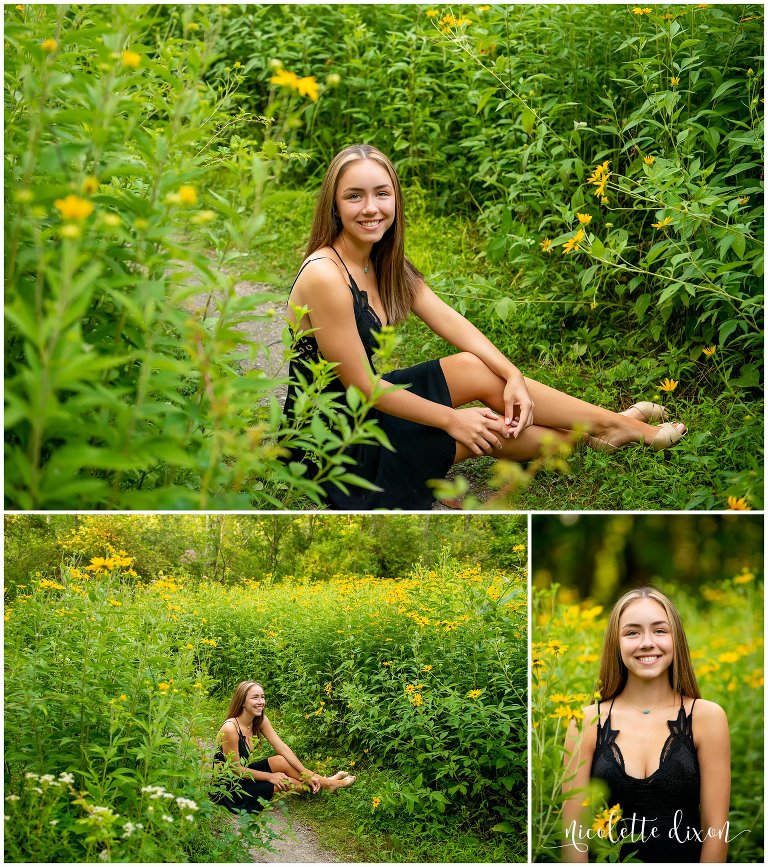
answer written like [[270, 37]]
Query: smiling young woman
[[242, 783], [662, 751], [354, 280]]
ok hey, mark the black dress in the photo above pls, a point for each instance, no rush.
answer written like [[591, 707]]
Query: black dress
[[668, 799], [421, 452], [242, 793]]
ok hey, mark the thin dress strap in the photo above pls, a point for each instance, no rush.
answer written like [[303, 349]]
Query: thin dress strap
[[343, 263], [316, 259]]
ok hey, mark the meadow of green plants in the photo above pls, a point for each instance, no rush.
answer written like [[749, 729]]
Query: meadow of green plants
[[723, 620], [584, 182], [116, 683]]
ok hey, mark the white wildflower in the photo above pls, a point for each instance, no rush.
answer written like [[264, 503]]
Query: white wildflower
[[167, 818], [11, 797], [66, 777]]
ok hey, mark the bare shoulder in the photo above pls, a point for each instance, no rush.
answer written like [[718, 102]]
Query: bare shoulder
[[321, 279], [709, 713], [321, 266], [227, 727]]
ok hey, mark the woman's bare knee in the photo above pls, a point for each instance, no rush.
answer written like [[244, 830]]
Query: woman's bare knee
[[470, 379]]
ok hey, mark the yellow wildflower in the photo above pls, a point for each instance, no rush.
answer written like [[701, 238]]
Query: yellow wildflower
[[49, 45], [584, 218], [743, 200], [567, 713], [637, 11], [662, 224], [474, 693], [123, 697], [557, 647], [163, 687], [376, 802], [283, 78], [187, 194], [115, 603], [416, 699], [426, 668], [668, 385], [729, 656], [709, 351], [131, 59], [47, 584], [738, 504], [70, 230], [307, 86], [558, 697], [431, 13], [573, 243], [74, 208], [674, 81], [546, 245], [91, 185], [744, 578], [649, 160]]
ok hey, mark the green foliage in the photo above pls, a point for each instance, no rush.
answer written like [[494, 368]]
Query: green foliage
[[723, 624], [131, 195], [133, 379], [125, 668]]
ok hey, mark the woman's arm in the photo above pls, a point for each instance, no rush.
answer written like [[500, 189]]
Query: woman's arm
[[713, 747], [281, 748], [322, 289], [461, 333], [228, 737], [579, 750]]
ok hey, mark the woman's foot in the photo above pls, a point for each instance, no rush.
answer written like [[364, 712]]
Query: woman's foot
[[668, 434], [647, 412], [340, 781], [634, 431]]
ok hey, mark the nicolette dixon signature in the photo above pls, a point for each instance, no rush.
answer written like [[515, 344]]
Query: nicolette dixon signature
[[641, 828]]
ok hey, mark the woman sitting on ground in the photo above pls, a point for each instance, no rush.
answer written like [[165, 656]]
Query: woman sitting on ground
[[355, 279], [242, 784]]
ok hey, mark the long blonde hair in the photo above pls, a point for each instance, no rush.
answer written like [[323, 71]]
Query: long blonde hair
[[613, 672], [237, 704], [398, 278]]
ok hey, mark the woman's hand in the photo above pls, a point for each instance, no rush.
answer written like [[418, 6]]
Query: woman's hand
[[314, 783], [478, 428], [516, 396], [282, 782]]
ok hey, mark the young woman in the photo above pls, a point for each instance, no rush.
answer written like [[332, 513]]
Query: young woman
[[241, 784], [662, 751], [355, 279]]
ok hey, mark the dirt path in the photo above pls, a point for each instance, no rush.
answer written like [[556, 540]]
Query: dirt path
[[298, 844]]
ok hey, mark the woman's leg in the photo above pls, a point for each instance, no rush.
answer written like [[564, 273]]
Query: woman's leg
[[469, 379], [278, 764]]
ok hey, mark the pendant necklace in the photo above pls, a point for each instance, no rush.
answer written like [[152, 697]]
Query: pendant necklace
[[365, 268], [647, 710]]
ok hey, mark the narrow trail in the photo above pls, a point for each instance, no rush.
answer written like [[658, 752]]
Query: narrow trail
[[267, 333], [298, 844]]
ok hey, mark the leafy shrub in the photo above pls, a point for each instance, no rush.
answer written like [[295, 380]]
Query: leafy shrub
[[125, 669]]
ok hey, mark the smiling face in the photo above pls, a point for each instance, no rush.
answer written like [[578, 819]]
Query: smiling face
[[255, 700], [365, 201], [645, 639]]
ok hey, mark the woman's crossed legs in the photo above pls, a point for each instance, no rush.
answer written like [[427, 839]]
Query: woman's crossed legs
[[556, 413]]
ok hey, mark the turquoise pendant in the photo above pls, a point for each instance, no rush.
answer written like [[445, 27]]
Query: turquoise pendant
[[646, 711]]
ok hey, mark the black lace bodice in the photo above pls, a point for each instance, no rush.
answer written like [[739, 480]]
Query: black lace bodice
[[366, 319], [668, 798]]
